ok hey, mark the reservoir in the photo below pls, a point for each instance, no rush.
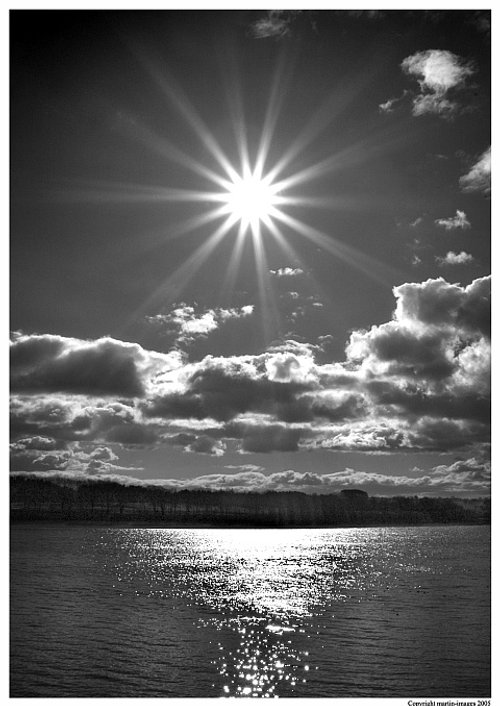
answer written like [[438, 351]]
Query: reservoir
[[362, 612]]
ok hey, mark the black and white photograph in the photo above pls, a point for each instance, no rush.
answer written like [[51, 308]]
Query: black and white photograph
[[250, 257]]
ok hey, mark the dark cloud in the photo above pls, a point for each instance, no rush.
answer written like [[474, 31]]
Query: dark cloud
[[203, 443], [206, 445], [221, 388], [32, 459], [439, 434], [56, 364], [412, 401], [72, 458], [420, 381], [132, 434], [41, 415], [435, 302], [269, 437], [408, 353]]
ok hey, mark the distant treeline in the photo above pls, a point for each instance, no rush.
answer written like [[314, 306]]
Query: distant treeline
[[57, 499]]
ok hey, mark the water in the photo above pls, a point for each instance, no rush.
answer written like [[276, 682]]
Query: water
[[372, 612]]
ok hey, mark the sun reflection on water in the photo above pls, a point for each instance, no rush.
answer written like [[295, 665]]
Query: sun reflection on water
[[266, 596], [261, 594]]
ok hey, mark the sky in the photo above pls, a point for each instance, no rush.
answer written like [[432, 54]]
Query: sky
[[251, 249]]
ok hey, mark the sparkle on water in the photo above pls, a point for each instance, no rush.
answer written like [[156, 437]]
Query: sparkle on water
[[262, 596], [262, 613]]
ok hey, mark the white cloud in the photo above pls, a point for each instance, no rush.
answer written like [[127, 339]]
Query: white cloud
[[465, 476], [478, 178], [438, 70], [440, 73], [287, 272], [276, 24], [417, 381], [459, 220], [389, 105], [454, 258], [188, 325]]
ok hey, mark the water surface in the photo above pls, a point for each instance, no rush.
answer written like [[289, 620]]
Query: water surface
[[387, 612]]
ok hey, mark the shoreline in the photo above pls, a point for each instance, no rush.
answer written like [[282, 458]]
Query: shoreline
[[208, 525]]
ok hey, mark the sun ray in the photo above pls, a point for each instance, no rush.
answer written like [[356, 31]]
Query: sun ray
[[161, 146], [234, 264], [267, 301], [370, 266], [116, 192], [171, 287], [331, 110], [236, 109], [277, 93], [176, 95], [250, 195]]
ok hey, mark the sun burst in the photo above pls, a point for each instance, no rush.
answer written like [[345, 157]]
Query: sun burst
[[250, 199], [243, 194]]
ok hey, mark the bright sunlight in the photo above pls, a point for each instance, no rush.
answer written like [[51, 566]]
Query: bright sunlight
[[251, 199]]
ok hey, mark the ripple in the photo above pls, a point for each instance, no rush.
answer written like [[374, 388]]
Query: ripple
[[244, 613]]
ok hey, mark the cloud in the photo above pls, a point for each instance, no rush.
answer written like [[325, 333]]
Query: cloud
[[72, 418], [72, 458], [457, 311], [419, 381], [222, 388], [458, 221], [186, 325], [287, 272], [269, 437], [478, 178], [245, 467], [389, 105], [104, 367], [276, 24], [454, 258], [416, 222], [481, 20], [193, 443], [461, 477], [438, 70], [39, 443], [440, 74]]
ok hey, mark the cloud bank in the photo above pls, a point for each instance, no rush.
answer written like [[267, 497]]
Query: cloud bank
[[418, 382]]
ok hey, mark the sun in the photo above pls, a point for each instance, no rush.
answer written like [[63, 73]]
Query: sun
[[250, 199]]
